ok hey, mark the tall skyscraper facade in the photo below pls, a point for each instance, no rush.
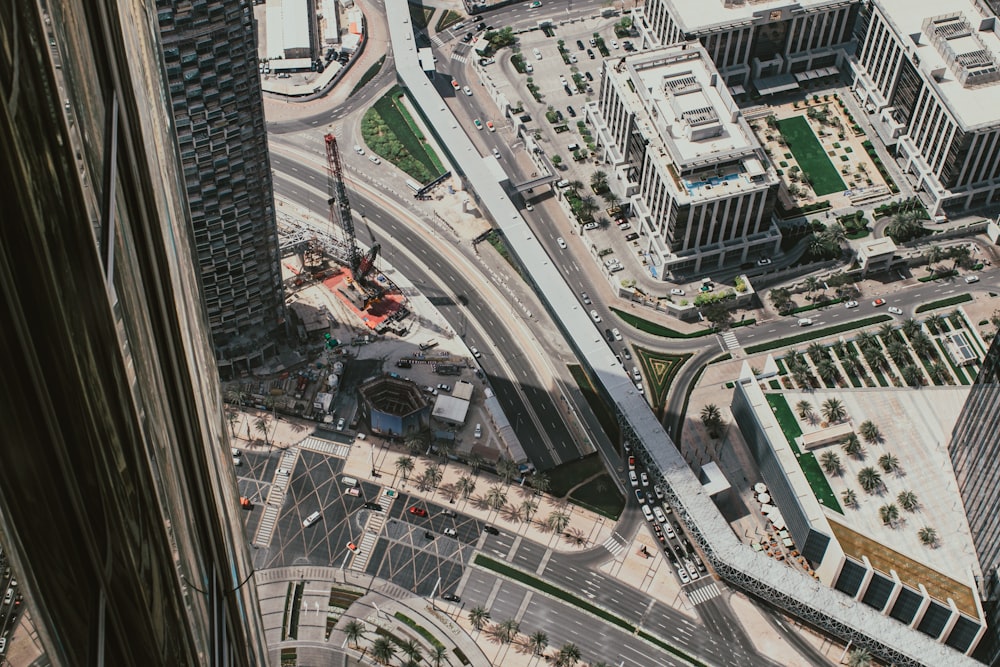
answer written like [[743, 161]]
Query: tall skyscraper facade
[[210, 52], [975, 455], [117, 494]]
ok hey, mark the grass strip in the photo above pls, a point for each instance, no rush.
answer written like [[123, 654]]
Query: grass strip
[[448, 19], [816, 306], [369, 74], [431, 155], [958, 371], [809, 153], [421, 630], [817, 333], [807, 460], [420, 15], [665, 332], [944, 303], [938, 276]]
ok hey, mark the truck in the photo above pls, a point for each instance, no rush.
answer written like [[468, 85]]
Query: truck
[[447, 369]]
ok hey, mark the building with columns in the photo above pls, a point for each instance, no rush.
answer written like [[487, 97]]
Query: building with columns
[[697, 180]]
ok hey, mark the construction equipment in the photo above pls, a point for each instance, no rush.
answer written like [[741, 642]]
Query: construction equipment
[[340, 215]]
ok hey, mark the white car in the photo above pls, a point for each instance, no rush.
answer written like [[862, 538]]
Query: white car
[[236, 452], [538, 54], [496, 153], [644, 478], [668, 528], [659, 492], [805, 321], [590, 225], [851, 304], [476, 353], [633, 478], [237, 461], [895, 311], [561, 242], [614, 44], [594, 315], [311, 519], [359, 150], [341, 423], [617, 334], [660, 516], [638, 388], [467, 90], [971, 279], [635, 374], [683, 574], [450, 532], [648, 513], [375, 159], [677, 292], [763, 261], [692, 570], [479, 431]]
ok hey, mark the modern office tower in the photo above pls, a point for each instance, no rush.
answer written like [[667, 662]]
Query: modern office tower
[[210, 50], [975, 455], [117, 493], [928, 74], [690, 167], [758, 44]]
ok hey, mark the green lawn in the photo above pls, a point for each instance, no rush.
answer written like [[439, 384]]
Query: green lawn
[[389, 131], [807, 461], [565, 476], [811, 156]]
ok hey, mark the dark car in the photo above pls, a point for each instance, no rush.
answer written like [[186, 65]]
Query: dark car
[[559, 115], [429, 535], [631, 236], [572, 111], [590, 52], [373, 506], [525, 118], [579, 44], [610, 336], [451, 597], [590, 77], [449, 513], [491, 530], [419, 511]]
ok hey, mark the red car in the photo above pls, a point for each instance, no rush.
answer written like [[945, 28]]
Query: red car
[[419, 511], [878, 302], [631, 463]]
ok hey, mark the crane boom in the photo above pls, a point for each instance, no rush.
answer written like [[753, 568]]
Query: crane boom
[[339, 205]]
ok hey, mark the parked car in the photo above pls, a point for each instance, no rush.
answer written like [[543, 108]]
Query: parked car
[[633, 479], [626, 354], [491, 530], [635, 373], [677, 292], [631, 236], [444, 387], [571, 111], [608, 335], [590, 225], [417, 511], [585, 298], [617, 333], [594, 315], [648, 513], [451, 597], [450, 532], [479, 431], [763, 261]]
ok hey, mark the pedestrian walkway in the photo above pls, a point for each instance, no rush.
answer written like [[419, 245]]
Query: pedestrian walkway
[[459, 58], [730, 341], [615, 544], [276, 497], [437, 41], [703, 594], [324, 446]]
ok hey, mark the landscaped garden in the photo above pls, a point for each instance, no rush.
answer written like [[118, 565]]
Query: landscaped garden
[[913, 354], [807, 461], [808, 152], [390, 131]]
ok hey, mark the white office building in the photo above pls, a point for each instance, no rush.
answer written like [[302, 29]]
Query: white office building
[[694, 174], [758, 44], [928, 73]]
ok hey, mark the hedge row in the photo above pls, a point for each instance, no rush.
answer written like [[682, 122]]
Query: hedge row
[[817, 333]]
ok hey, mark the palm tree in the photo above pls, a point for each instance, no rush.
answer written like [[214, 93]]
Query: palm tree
[[599, 181], [569, 655], [811, 284], [711, 417], [476, 462], [828, 372], [921, 344], [805, 409], [817, 351], [354, 630], [939, 373], [889, 463], [507, 630], [867, 341], [849, 497], [831, 463], [889, 514], [557, 521], [404, 464], [833, 410], [962, 256], [433, 474], [540, 482], [610, 198], [899, 352], [934, 323], [261, 425], [479, 617], [528, 509], [411, 649], [859, 657], [383, 650], [908, 501], [506, 470], [232, 416], [870, 432], [887, 331], [910, 327], [928, 536], [417, 442], [438, 654], [870, 479], [852, 446], [496, 498], [465, 486], [933, 255], [537, 642]]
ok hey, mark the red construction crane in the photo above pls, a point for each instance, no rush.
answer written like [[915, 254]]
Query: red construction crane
[[340, 215]]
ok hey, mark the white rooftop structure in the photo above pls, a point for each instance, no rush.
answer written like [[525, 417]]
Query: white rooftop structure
[[287, 27], [956, 43], [703, 15], [689, 110]]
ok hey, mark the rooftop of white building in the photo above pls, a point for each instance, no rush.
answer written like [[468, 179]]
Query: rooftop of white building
[[701, 16], [689, 117], [961, 41], [916, 426]]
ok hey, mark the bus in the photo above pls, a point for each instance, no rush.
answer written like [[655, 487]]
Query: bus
[[413, 185]]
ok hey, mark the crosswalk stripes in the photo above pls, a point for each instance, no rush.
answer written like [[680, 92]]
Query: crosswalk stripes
[[703, 594], [461, 59], [437, 41], [275, 498], [325, 446], [615, 543], [729, 338]]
